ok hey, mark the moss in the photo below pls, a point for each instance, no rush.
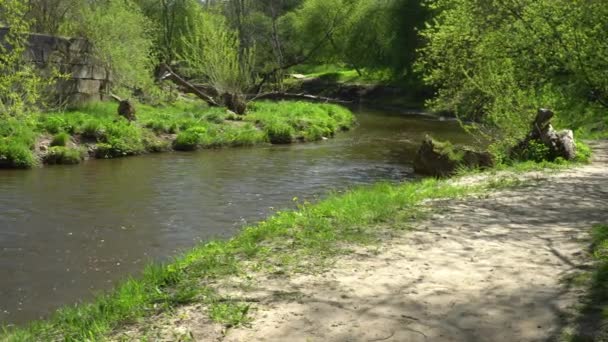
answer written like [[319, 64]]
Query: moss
[[447, 149]]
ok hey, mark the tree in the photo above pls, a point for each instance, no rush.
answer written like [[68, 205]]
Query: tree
[[20, 85], [497, 61], [48, 16], [122, 37], [215, 54]]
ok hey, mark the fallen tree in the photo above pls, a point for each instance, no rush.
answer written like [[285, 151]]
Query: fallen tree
[[232, 101]]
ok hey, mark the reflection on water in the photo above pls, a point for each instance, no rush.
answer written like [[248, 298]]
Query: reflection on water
[[67, 232]]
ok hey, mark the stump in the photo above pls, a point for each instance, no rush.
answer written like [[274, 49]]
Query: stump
[[442, 159], [127, 110], [560, 144], [235, 103]]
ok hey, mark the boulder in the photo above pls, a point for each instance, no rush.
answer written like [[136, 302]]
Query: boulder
[[441, 159]]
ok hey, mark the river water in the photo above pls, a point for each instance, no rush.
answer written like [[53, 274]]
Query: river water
[[68, 232]]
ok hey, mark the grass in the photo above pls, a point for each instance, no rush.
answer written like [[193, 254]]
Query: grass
[[183, 126], [592, 324], [63, 155], [289, 240]]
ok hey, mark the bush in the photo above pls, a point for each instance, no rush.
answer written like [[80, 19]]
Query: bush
[[63, 155], [15, 155], [60, 139]]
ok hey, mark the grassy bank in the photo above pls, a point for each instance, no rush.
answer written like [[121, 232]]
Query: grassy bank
[[290, 240], [96, 130]]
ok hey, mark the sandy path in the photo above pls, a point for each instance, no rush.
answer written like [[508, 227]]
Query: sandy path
[[481, 270], [488, 269]]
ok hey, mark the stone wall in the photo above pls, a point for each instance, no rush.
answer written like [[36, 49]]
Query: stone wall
[[86, 78]]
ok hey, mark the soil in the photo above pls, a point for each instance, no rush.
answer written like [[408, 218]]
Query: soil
[[481, 269]]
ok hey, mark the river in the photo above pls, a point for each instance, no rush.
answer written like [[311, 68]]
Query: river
[[67, 232]]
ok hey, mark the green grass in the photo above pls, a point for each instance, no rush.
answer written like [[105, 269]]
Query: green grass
[[592, 321], [287, 121], [63, 155], [288, 241], [184, 126], [60, 139]]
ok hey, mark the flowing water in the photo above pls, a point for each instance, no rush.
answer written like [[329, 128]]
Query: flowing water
[[68, 232]]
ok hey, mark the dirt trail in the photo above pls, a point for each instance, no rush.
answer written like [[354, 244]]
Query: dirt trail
[[488, 269]]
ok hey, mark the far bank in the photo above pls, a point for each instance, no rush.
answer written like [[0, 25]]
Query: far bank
[[96, 130]]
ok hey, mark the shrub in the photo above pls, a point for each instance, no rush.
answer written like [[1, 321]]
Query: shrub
[[60, 139], [535, 151], [63, 155]]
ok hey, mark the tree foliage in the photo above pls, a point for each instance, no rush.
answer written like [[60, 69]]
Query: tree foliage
[[121, 35], [497, 61], [214, 52], [20, 85]]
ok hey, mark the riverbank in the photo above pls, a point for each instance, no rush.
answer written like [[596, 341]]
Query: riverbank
[[372, 88], [307, 240], [96, 131]]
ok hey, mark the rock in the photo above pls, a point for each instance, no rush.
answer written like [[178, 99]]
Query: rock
[[429, 161], [127, 110], [442, 159], [559, 144]]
